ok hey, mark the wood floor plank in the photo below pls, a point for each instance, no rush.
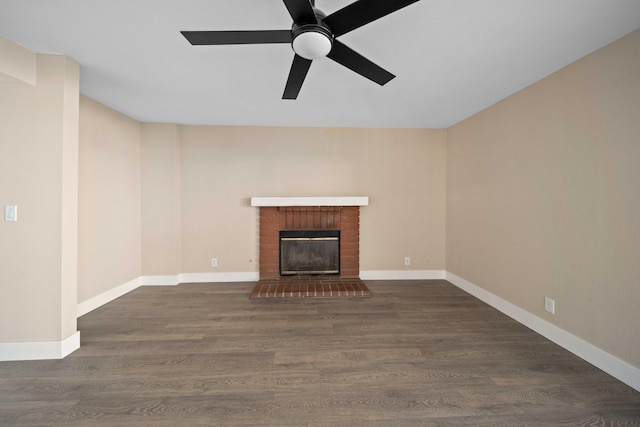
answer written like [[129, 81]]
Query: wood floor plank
[[33, 413], [418, 353], [203, 384]]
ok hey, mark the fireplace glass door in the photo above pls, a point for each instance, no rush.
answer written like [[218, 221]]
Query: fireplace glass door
[[306, 252]]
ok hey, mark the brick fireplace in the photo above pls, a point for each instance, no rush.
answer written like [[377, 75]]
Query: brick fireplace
[[346, 219], [309, 213]]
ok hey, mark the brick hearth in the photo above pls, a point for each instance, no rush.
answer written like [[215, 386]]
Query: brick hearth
[[310, 287]]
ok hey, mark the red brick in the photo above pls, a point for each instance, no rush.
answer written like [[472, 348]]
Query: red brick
[[349, 233], [269, 221], [269, 273], [348, 243], [271, 244], [350, 273], [350, 226], [344, 252], [332, 223], [269, 236], [267, 254], [273, 257], [269, 265], [268, 210], [265, 226], [349, 262]]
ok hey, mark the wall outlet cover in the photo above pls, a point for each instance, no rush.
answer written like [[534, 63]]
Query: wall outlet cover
[[549, 305], [11, 213]]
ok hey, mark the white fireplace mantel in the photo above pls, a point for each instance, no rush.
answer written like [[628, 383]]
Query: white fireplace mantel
[[310, 201]]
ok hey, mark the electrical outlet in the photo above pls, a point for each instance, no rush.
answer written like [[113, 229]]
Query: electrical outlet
[[11, 213], [214, 262], [407, 260], [550, 305]]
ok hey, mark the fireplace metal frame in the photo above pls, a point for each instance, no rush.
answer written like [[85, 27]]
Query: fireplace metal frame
[[311, 236]]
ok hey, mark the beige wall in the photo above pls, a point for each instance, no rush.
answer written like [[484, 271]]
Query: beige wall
[[543, 198], [38, 164], [69, 158], [160, 199], [109, 200], [17, 64], [402, 171], [196, 182]]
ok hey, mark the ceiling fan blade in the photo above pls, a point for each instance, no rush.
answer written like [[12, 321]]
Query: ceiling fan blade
[[354, 61], [299, 70], [301, 11], [362, 12], [237, 37]]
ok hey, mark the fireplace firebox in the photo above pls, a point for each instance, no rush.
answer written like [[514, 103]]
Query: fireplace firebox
[[309, 252]]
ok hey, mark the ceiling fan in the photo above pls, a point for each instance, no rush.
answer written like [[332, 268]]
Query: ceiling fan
[[312, 36]]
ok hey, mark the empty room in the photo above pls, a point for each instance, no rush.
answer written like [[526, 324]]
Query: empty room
[[319, 213]]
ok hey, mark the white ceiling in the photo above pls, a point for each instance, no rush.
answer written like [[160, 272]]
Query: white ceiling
[[452, 58]]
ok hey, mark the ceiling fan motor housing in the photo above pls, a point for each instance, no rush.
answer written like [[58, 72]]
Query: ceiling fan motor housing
[[312, 40]]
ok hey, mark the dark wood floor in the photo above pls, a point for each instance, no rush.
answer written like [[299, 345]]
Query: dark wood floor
[[419, 353]]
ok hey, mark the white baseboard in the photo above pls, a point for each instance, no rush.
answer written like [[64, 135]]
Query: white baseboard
[[160, 280], [11, 351], [402, 274], [251, 276], [169, 280], [610, 364], [173, 280], [108, 296]]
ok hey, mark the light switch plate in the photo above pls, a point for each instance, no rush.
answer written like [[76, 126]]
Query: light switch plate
[[11, 213]]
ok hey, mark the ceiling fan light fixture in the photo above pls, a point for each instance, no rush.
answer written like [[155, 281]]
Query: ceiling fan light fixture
[[312, 41]]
